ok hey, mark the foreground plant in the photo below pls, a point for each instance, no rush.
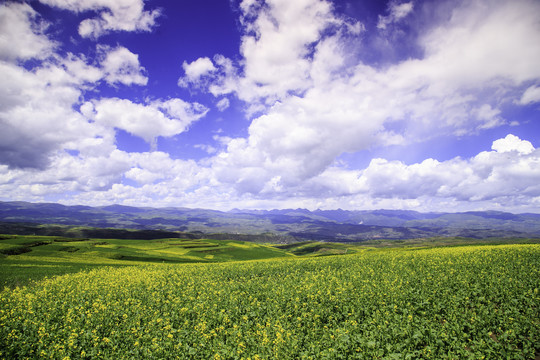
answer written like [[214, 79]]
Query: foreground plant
[[445, 303]]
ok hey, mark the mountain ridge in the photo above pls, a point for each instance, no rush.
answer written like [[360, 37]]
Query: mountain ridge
[[302, 224]]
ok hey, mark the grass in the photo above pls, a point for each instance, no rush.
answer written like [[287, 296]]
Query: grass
[[24, 259]]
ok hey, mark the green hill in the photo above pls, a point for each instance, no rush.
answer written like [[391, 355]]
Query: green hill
[[24, 258]]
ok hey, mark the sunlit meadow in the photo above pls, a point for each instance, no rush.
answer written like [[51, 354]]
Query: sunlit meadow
[[444, 303]]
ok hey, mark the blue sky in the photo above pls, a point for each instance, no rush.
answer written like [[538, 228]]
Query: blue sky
[[424, 105]]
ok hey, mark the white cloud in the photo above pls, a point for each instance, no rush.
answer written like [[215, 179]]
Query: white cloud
[[396, 11], [487, 176], [147, 121], [37, 103], [114, 15], [315, 100], [122, 66], [487, 179], [66, 174], [223, 104], [226, 80], [490, 177], [277, 48], [36, 114], [512, 143], [195, 70], [531, 95], [148, 168], [95, 180], [443, 93], [22, 34], [206, 148], [161, 181], [81, 72], [484, 40]]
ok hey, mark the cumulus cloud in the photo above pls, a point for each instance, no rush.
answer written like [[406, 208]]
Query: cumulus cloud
[[491, 177], [114, 15], [309, 98], [482, 40], [20, 24], [65, 173], [37, 109], [277, 49], [276, 45], [509, 172], [36, 114], [473, 63], [195, 70], [147, 121], [122, 66], [512, 143], [487, 176], [99, 176], [50, 148], [39, 104], [96, 180]]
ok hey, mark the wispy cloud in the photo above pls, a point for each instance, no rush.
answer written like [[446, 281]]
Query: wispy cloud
[[397, 11], [531, 95]]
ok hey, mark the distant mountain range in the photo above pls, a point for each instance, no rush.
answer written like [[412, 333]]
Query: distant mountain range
[[298, 224]]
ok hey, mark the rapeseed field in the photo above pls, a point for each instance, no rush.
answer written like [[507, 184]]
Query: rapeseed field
[[474, 302]]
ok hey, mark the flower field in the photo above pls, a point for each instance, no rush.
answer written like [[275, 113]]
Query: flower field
[[473, 302]]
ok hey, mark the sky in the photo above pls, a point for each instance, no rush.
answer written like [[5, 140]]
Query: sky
[[263, 104]]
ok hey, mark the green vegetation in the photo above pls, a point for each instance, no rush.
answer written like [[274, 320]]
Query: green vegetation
[[27, 258], [316, 248], [468, 302], [445, 241]]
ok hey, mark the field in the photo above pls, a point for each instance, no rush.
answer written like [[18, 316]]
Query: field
[[463, 302], [24, 258]]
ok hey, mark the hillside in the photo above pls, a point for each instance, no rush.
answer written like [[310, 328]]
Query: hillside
[[284, 225]]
